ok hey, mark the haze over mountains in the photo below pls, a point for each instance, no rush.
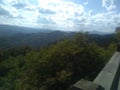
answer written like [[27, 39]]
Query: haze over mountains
[[15, 36], [10, 30]]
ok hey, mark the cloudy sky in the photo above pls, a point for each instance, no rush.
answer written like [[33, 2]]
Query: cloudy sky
[[73, 15]]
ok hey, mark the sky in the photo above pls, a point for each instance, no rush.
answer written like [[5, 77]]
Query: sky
[[66, 15]]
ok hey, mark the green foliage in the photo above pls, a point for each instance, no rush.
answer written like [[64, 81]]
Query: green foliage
[[118, 34], [54, 67], [118, 37]]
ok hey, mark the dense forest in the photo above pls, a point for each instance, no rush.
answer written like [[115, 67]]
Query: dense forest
[[35, 40], [54, 44], [56, 66]]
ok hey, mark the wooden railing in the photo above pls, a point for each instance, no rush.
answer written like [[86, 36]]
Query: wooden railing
[[108, 78]]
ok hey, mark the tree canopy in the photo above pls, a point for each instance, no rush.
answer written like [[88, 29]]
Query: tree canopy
[[54, 67]]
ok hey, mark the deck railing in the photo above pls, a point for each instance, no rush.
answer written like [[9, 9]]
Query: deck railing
[[108, 78]]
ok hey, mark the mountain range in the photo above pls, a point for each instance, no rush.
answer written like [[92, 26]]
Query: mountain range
[[10, 30], [15, 36]]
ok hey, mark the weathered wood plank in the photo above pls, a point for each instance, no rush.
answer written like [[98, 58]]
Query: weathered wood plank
[[108, 75], [86, 85]]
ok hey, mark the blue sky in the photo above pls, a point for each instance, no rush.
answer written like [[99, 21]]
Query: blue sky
[[68, 15]]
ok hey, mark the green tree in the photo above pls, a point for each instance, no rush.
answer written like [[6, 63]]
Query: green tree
[[118, 34]]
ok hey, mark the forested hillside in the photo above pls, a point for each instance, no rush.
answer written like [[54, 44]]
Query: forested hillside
[[54, 67], [35, 40], [9, 30], [53, 44]]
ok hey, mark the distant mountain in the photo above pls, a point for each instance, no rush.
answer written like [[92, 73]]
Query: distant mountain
[[11, 30], [99, 33], [14, 36], [34, 39], [102, 40]]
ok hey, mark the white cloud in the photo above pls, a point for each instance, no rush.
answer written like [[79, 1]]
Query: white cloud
[[108, 4], [105, 21], [65, 12], [4, 11], [59, 14], [86, 3], [90, 12]]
